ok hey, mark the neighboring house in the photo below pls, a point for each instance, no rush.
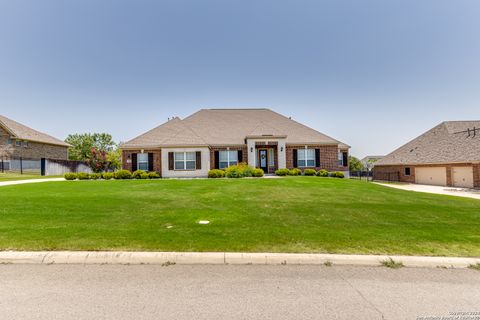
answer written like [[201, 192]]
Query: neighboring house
[[447, 155], [219, 138], [19, 141], [369, 161]]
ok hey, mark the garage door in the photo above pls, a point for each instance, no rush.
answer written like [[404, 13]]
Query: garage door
[[436, 176], [462, 177]]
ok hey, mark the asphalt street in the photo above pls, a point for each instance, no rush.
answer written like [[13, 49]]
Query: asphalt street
[[234, 292]]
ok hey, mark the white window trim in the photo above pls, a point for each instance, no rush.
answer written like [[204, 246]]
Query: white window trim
[[140, 161], [229, 162], [185, 161], [306, 158]]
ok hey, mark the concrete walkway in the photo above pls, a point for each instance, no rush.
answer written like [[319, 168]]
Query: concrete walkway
[[15, 182], [450, 191], [227, 258]]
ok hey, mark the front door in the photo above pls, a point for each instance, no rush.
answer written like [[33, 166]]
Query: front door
[[263, 155]]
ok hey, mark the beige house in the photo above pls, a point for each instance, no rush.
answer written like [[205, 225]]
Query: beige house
[[219, 138], [20, 141], [447, 155]]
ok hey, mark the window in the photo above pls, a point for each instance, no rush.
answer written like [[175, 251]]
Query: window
[[227, 158], [18, 143], [271, 157], [142, 161], [9, 141], [407, 171], [25, 144], [340, 159], [184, 161], [306, 158]]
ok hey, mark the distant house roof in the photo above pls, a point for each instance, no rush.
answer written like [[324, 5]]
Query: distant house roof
[[449, 142], [228, 127], [371, 159], [22, 132]]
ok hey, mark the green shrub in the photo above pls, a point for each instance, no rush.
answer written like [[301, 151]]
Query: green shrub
[[144, 176], [216, 173], [233, 172], [95, 176], [309, 172], [70, 176], [153, 175], [322, 173], [83, 176], [107, 175], [337, 174], [282, 172], [295, 172], [239, 171], [258, 173], [138, 174], [123, 174]]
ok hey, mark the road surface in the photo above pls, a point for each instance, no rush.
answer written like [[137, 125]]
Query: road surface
[[234, 292]]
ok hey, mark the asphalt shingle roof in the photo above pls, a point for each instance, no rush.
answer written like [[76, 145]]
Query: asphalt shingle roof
[[20, 131], [211, 127], [446, 143]]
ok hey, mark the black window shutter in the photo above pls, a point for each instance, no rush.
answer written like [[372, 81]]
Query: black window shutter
[[134, 162], [170, 161], [240, 156], [217, 160], [317, 157], [150, 162], [295, 158], [199, 160], [345, 159]]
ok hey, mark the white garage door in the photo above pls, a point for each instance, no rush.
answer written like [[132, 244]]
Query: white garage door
[[462, 177], [436, 176]]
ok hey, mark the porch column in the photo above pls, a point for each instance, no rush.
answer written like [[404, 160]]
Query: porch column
[[282, 154], [252, 159]]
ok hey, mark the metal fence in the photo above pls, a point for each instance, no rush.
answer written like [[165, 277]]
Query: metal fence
[[361, 175], [391, 176], [42, 167]]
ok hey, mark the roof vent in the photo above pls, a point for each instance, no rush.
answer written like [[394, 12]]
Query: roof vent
[[471, 132]]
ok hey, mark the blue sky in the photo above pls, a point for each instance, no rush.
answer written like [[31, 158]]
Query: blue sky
[[371, 73]]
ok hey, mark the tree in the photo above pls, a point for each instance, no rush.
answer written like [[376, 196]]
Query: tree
[[114, 159], [355, 164], [83, 144]]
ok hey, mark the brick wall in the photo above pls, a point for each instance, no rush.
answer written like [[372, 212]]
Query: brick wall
[[157, 159], [382, 172], [328, 157], [224, 148], [34, 150]]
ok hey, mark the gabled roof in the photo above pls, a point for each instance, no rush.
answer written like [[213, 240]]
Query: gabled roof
[[449, 142], [22, 132], [210, 127]]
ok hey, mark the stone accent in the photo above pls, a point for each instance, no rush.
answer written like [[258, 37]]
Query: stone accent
[[397, 173], [157, 159], [34, 150], [328, 157], [224, 148]]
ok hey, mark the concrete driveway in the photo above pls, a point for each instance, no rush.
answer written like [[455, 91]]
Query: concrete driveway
[[458, 192], [234, 292]]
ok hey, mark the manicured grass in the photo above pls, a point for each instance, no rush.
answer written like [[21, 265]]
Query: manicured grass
[[296, 214], [18, 176]]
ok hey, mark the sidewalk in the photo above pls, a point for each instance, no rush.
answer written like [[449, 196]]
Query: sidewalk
[[190, 258], [15, 182], [450, 191]]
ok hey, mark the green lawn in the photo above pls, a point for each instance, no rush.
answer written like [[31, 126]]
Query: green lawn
[[296, 214], [18, 176]]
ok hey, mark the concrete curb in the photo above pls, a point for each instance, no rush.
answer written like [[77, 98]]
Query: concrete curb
[[190, 258]]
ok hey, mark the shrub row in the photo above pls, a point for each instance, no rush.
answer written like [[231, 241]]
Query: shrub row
[[119, 175], [241, 170], [309, 172]]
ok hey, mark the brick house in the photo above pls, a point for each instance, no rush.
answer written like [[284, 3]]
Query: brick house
[[20, 141], [219, 138], [447, 155]]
